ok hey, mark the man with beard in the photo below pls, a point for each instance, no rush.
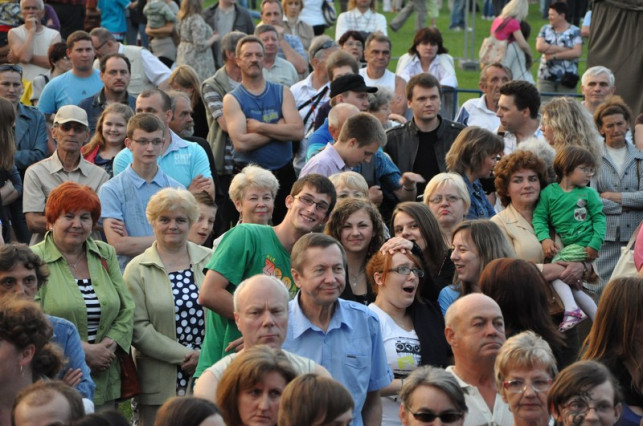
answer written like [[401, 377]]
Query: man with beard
[[475, 330], [81, 81], [481, 111], [115, 72]]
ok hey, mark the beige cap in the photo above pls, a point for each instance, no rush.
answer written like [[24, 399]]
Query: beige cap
[[71, 113]]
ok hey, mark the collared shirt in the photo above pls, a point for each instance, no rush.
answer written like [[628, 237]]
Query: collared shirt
[[368, 22], [295, 43], [480, 208], [31, 137], [125, 198], [441, 67], [282, 72], [182, 161], [511, 142], [326, 163], [474, 112], [351, 349], [479, 412], [303, 91], [96, 104]]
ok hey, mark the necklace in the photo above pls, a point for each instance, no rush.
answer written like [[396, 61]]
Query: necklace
[[354, 279], [74, 266]]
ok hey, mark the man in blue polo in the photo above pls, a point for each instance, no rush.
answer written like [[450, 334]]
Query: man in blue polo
[[342, 336]]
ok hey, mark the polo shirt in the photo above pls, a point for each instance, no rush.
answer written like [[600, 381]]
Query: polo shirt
[[282, 72], [68, 89], [326, 163], [511, 143], [474, 112]]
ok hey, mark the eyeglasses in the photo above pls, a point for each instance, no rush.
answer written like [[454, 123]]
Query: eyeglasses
[[146, 142], [327, 45], [320, 206], [520, 386], [353, 43], [101, 45], [449, 198], [11, 67], [429, 416], [77, 127], [582, 406], [406, 270], [587, 170]]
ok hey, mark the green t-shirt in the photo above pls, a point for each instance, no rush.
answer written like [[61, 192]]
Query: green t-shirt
[[246, 250]]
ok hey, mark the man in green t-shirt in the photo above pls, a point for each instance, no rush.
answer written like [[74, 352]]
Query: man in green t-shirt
[[250, 249]]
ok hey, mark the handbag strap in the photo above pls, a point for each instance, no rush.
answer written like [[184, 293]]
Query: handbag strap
[[634, 236], [504, 24]]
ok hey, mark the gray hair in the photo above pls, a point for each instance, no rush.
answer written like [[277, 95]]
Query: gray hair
[[543, 150], [230, 40], [175, 95], [252, 175], [597, 70], [377, 100], [41, 4], [265, 280], [264, 28], [453, 179], [171, 200], [316, 46], [436, 378]]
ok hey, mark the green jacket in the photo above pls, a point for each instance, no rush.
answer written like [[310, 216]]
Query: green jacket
[[62, 298], [157, 352]]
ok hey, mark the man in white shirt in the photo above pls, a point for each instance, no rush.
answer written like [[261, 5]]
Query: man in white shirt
[[597, 84], [481, 111], [518, 108]]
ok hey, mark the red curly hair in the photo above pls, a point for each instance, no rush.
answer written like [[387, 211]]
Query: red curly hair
[[71, 197]]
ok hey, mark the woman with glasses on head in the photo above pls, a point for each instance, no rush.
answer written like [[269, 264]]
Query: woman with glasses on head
[[473, 156], [430, 393], [412, 327], [525, 368]]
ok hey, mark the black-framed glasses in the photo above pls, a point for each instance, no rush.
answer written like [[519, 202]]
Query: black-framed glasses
[[430, 416], [582, 406], [100, 45], [406, 270], [69, 125], [320, 206], [146, 142], [327, 45], [520, 386], [11, 67], [437, 199]]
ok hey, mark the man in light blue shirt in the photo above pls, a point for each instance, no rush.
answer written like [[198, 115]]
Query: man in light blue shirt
[[124, 198], [343, 336]]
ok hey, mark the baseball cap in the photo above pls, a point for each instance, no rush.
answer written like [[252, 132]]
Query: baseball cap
[[71, 113], [352, 82]]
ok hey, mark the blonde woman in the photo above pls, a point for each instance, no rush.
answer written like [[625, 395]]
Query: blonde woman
[[361, 16], [507, 27], [294, 25], [196, 38]]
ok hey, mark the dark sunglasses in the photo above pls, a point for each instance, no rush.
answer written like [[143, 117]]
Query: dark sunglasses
[[11, 67], [78, 127], [326, 45], [429, 417]]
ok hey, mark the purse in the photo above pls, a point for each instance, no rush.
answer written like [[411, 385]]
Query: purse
[[328, 12], [492, 49], [625, 266], [130, 386]]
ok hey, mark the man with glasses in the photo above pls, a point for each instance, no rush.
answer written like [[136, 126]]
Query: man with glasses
[[342, 336], [124, 198], [475, 330], [250, 249], [71, 132], [76, 84]]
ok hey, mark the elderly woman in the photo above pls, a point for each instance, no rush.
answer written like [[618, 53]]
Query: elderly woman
[[26, 354], [327, 402], [357, 225], [428, 54], [294, 25], [405, 319], [353, 42], [525, 368], [619, 182], [473, 156], [528, 308], [251, 387], [86, 286], [430, 393], [379, 105], [616, 340], [29, 43], [361, 16], [447, 197], [475, 244], [185, 79], [349, 185], [164, 280], [582, 388]]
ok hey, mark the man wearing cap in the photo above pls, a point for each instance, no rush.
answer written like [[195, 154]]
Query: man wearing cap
[[71, 132], [262, 121]]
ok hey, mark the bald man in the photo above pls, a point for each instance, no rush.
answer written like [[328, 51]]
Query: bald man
[[475, 329]]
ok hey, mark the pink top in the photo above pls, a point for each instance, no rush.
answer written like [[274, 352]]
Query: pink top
[[638, 250], [507, 31]]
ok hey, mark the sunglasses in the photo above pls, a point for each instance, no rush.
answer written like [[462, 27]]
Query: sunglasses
[[445, 417], [78, 127], [326, 45], [11, 67]]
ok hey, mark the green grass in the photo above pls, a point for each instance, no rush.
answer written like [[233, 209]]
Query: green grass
[[454, 41]]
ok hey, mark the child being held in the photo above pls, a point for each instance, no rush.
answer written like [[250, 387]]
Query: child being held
[[160, 12], [575, 212]]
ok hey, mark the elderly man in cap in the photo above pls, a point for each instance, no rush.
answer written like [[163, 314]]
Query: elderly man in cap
[[71, 132]]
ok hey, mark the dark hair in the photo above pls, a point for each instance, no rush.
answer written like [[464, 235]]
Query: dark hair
[[264, 28], [77, 36], [43, 391], [470, 149], [344, 209], [148, 93], [424, 80], [104, 418], [428, 35], [22, 323], [144, 121], [512, 163], [321, 184], [560, 7], [365, 128], [339, 59], [104, 59], [525, 309], [185, 411], [247, 39], [355, 35], [312, 240], [56, 52], [614, 105], [569, 157], [13, 254], [525, 95]]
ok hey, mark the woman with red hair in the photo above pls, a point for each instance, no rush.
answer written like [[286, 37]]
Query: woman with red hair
[[86, 286]]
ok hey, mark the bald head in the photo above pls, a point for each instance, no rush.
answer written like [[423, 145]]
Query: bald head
[[338, 116]]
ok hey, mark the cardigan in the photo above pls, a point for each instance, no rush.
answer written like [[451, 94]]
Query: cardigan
[[156, 351], [62, 298]]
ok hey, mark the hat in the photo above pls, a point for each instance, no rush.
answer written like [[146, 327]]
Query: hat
[[352, 82], [71, 113]]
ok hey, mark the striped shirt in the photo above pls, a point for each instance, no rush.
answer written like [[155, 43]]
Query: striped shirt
[[93, 307]]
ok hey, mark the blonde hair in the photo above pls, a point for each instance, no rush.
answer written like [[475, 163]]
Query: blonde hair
[[443, 179], [98, 140], [352, 4], [189, 8], [186, 76], [171, 200], [352, 180], [518, 9]]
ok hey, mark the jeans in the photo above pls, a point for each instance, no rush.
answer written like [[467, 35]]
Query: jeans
[[457, 15]]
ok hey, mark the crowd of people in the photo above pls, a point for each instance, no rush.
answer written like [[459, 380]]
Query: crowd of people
[[250, 224]]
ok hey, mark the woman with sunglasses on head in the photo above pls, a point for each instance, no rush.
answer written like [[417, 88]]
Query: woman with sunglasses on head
[[412, 327], [430, 393]]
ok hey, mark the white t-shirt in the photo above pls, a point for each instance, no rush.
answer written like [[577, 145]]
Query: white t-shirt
[[403, 356]]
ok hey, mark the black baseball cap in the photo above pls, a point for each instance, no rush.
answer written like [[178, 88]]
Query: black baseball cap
[[352, 82]]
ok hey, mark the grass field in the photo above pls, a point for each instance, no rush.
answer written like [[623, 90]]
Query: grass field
[[454, 41]]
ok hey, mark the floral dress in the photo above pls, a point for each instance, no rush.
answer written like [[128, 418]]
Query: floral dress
[[193, 50]]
